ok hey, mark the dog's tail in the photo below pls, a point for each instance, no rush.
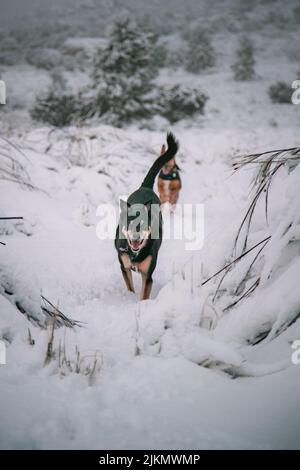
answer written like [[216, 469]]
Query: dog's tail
[[173, 146]]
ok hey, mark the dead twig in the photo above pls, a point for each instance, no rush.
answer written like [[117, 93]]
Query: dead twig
[[50, 351], [11, 218], [248, 292], [263, 180], [235, 260], [62, 319], [237, 291]]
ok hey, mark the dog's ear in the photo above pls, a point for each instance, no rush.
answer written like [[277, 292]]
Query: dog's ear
[[148, 205], [123, 205]]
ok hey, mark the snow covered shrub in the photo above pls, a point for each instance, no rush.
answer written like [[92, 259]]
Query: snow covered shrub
[[243, 68], [44, 58], [56, 109], [117, 104], [280, 92], [160, 55], [124, 74], [81, 53], [180, 102], [75, 363], [263, 289], [44, 35], [296, 15], [176, 58], [279, 21], [10, 51], [200, 53], [12, 164]]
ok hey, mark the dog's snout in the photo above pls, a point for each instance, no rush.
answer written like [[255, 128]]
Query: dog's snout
[[136, 236]]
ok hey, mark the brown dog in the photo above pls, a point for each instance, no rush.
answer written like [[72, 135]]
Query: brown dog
[[169, 182]]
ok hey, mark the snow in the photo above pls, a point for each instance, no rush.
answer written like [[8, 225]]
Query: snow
[[151, 389], [176, 371]]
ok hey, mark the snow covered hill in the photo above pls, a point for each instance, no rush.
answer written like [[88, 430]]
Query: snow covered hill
[[152, 374]]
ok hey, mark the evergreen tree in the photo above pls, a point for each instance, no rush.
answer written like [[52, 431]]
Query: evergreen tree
[[200, 52], [124, 73], [281, 92], [244, 66]]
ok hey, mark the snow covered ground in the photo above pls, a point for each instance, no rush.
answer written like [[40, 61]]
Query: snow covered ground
[[148, 390], [177, 371]]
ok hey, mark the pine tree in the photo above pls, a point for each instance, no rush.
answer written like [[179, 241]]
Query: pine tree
[[124, 73], [200, 52], [244, 66]]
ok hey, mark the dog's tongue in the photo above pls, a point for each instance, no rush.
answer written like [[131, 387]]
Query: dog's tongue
[[135, 244]]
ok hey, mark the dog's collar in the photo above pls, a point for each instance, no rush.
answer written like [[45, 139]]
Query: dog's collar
[[173, 175], [131, 254]]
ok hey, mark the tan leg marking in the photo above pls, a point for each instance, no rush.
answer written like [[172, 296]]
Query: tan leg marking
[[146, 287], [161, 189], [126, 261], [126, 272], [143, 268]]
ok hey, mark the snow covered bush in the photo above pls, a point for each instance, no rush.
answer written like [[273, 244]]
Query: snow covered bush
[[10, 52], [44, 58], [180, 102], [200, 53], [56, 109], [124, 73], [81, 53], [262, 288], [296, 15], [280, 92], [117, 104], [176, 57], [12, 164], [243, 68]]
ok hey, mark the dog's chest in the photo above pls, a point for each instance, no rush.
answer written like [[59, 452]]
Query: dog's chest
[[141, 266], [166, 186]]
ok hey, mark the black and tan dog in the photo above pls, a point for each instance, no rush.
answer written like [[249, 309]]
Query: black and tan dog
[[139, 233], [169, 182]]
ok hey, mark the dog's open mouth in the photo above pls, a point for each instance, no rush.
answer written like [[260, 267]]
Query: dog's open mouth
[[135, 245]]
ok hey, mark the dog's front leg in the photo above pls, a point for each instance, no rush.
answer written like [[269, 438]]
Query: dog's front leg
[[146, 287], [146, 268], [125, 264], [127, 276]]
